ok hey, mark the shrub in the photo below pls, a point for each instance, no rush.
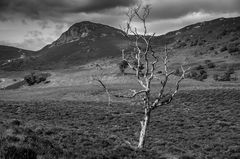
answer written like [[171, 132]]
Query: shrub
[[194, 43], [122, 66], [35, 78], [201, 42], [199, 67], [135, 64], [211, 48], [223, 33], [209, 64], [230, 70], [207, 61], [210, 31], [198, 73], [224, 48], [215, 77], [234, 39], [226, 76], [232, 47], [182, 44], [177, 72], [159, 72]]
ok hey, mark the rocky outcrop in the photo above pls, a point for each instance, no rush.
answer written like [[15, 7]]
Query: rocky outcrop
[[85, 29]]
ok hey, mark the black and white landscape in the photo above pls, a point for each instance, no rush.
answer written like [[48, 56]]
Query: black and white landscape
[[119, 79]]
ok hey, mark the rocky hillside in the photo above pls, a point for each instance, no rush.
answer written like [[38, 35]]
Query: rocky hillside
[[208, 35], [84, 42], [81, 43], [9, 54], [216, 40]]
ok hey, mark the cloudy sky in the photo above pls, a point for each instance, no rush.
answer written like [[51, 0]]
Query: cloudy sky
[[31, 24]]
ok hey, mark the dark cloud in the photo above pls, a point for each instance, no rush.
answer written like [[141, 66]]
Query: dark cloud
[[57, 10], [42, 9], [53, 17], [170, 9], [98, 5]]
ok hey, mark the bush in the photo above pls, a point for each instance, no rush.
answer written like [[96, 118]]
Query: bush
[[209, 64], [226, 76], [35, 78], [223, 33], [197, 73], [215, 77], [135, 65], [122, 66], [201, 42], [211, 48], [199, 67], [230, 70], [232, 47], [234, 39], [224, 48], [207, 61], [177, 72], [194, 43], [182, 44]]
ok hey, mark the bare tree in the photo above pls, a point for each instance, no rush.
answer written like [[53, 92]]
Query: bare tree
[[98, 78], [147, 58]]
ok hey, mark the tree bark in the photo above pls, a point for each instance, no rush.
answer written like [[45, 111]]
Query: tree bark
[[144, 126]]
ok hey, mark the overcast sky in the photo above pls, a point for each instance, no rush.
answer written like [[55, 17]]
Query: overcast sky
[[31, 24]]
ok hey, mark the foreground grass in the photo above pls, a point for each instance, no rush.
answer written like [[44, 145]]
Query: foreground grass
[[198, 124]]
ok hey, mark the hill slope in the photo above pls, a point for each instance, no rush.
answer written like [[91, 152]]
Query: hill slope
[[217, 40], [87, 41], [82, 42], [217, 30], [8, 53]]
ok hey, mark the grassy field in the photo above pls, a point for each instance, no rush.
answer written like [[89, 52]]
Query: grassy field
[[197, 124], [70, 118]]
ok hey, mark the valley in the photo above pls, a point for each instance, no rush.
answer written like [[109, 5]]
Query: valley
[[64, 111]]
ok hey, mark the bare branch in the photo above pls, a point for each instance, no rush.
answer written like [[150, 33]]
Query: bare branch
[[105, 89], [135, 93], [167, 98], [137, 70], [184, 72]]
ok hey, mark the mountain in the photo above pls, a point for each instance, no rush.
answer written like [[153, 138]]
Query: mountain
[[214, 32], [87, 41], [84, 42], [81, 43]]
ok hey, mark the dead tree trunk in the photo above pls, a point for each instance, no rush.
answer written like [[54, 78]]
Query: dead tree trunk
[[144, 126], [145, 56]]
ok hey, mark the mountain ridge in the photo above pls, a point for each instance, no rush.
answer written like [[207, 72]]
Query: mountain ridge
[[88, 41]]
